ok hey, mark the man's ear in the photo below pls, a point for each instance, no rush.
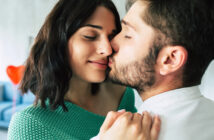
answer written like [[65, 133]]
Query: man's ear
[[171, 59]]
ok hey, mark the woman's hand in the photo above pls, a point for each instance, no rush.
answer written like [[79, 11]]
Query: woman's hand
[[127, 126]]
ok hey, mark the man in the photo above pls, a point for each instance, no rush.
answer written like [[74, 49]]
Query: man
[[163, 51]]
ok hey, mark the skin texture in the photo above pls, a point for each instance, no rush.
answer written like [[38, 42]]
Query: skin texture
[[135, 62], [87, 46], [89, 49], [130, 126], [132, 62]]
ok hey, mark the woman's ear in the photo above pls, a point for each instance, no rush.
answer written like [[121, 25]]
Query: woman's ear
[[171, 59]]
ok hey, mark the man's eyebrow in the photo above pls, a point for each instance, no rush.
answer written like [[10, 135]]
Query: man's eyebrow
[[127, 23], [94, 26]]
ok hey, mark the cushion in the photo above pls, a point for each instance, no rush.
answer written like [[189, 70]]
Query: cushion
[[4, 124], [7, 114], [3, 107], [1, 92], [9, 90]]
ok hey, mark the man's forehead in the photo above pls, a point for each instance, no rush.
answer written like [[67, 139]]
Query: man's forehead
[[134, 15], [138, 7]]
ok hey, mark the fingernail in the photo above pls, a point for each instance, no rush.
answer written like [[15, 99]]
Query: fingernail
[[122, 110], [145, 112], [157, 117]]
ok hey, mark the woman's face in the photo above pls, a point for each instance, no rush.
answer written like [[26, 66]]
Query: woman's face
[[89, 46]]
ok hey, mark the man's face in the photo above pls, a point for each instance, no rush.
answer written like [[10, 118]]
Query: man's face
[[133, 62]]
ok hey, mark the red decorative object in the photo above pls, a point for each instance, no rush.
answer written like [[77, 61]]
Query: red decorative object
[[15, 73]]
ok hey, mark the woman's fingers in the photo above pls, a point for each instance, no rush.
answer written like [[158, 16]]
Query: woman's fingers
[[124, 119], [128, 126], [137, 123], [147, 122], [155, 130], [110, 119], [150, 127]]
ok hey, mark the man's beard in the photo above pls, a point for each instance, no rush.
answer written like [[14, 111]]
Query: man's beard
[[139, 74]]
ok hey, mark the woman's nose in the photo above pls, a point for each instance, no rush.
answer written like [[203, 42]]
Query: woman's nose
[[105, 48]]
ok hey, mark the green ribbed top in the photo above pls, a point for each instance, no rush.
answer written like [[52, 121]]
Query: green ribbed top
[[37, 123]]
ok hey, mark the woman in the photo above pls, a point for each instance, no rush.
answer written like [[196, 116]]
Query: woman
[[67, 62]]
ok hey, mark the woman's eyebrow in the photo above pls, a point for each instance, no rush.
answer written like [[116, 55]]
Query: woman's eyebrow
[[94, 26]]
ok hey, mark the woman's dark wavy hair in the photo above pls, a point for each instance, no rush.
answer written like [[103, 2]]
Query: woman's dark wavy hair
[[48, 72]]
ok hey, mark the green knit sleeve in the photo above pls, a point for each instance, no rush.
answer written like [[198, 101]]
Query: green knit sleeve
[[128, 101], [25, 126]]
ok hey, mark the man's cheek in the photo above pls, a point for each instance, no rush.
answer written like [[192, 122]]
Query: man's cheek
[[128, 55]]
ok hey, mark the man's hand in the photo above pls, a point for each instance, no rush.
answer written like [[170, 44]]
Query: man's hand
[[127, 126]]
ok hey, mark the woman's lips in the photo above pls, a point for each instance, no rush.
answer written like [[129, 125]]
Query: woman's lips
[[102, 64]]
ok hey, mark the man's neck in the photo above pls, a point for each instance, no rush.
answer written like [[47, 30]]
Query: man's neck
[[159, 88]]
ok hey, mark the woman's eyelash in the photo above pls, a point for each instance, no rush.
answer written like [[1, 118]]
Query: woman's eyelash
[[90, 37]]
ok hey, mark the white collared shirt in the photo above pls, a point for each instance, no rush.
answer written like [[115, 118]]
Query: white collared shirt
[[185, 114]]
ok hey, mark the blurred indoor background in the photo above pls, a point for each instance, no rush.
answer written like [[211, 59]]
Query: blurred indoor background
[[20, 21]]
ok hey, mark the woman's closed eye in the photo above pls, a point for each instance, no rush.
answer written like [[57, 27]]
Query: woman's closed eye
[[89, 34], [90, 37]]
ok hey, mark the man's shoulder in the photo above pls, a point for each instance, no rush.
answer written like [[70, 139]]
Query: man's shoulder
[[187, 120], [206, 103]]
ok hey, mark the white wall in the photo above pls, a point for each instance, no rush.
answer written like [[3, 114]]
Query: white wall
[[21, 19], [207, 85], [120, 4]]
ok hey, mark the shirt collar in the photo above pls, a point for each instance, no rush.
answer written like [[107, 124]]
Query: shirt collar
[[171, 97]]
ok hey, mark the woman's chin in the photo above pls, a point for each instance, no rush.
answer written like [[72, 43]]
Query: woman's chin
[[97, 79]]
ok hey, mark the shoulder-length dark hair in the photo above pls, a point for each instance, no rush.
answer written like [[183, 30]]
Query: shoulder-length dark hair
[[48, 71]]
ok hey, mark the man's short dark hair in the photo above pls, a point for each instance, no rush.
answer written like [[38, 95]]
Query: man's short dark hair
[[188, 23]]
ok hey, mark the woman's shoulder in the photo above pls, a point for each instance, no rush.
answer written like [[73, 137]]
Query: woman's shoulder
[[29, 112], [128, 100], [129, 94], [27, 125], [32, 111], [40, 123], [23, 119]]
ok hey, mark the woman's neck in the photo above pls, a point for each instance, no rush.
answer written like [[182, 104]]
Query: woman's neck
[[79, 91], [107, 98]]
